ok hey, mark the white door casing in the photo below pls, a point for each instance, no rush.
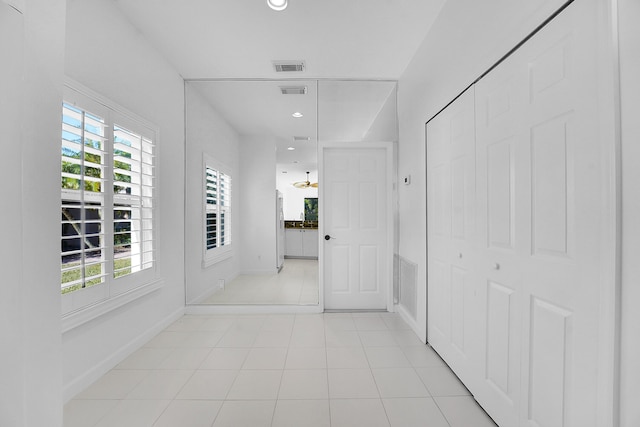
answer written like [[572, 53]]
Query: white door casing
[[280, 230], [355, 205]]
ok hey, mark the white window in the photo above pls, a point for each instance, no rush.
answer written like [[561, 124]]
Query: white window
[[107, 192], [217, 212]]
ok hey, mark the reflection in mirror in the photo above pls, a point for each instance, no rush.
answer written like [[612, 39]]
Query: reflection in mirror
[[357, 111], [264, 213]]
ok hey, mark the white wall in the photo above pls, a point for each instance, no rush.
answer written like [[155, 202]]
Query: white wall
[[31, 79], [258, 205], [109, 56], [208, 132], [629, 11], [466, 39], [385, 125], [11, 294]]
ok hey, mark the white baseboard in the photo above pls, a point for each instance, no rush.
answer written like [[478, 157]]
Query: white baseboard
[[70, 390], [206, 295], [269, 272], [252, 309]]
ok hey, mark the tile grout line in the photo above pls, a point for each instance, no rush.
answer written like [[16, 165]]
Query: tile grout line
[[326, 357], [374, 378], [286, 356], [238, 371], [435, 402], [190, 377]]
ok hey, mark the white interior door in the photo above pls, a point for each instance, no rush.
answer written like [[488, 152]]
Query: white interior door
[[355, 198]]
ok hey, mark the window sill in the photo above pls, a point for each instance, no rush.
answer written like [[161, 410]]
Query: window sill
[[86, 314], [208, 262]]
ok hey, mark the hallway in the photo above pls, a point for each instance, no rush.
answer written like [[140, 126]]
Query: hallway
[[332, 369]]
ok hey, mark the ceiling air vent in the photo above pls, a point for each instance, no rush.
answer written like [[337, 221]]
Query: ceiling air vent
[[288, 66], [302, 138], [293, 90]]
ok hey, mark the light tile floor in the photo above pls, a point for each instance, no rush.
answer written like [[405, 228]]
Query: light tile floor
[[297, 283], [298, 370]]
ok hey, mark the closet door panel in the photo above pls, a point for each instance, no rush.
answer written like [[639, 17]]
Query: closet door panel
[[499, 343], [500, 97], [500, 216], [541, 104], [563, 272], [452, 289], [552, 188]]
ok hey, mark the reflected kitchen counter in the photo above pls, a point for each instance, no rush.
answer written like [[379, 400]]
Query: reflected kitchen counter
[[312, 225], [301, 239]]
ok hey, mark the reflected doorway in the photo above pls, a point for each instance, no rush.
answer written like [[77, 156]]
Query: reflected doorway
[[263, 136]]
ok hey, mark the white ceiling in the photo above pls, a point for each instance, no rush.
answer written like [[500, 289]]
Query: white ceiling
[[337, 39], [360, 39], [333, 110]]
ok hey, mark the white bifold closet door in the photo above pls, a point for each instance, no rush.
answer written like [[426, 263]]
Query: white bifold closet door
[[514, 252], [452, 297]]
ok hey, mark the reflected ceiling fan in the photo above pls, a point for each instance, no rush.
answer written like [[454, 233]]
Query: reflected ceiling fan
[[305, 184]]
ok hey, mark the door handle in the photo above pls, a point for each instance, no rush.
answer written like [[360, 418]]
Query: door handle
[[327, 237]]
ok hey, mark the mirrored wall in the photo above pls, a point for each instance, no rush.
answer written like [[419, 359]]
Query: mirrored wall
[[251, 189]]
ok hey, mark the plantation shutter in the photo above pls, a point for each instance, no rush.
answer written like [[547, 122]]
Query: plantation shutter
[[133, 189], [217, 208], [224, 181], [211, 208], [82, 192]]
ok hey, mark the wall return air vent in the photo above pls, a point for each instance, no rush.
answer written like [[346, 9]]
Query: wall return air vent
[[288, 66]]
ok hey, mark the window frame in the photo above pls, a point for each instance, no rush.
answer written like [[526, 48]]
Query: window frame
[[85, 304], [219, 253]]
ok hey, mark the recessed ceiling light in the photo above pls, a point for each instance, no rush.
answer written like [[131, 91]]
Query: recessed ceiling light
[[277, 4], [290, 148], [297, 114]]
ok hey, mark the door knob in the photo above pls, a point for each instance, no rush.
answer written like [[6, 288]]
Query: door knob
[[327, 237]]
